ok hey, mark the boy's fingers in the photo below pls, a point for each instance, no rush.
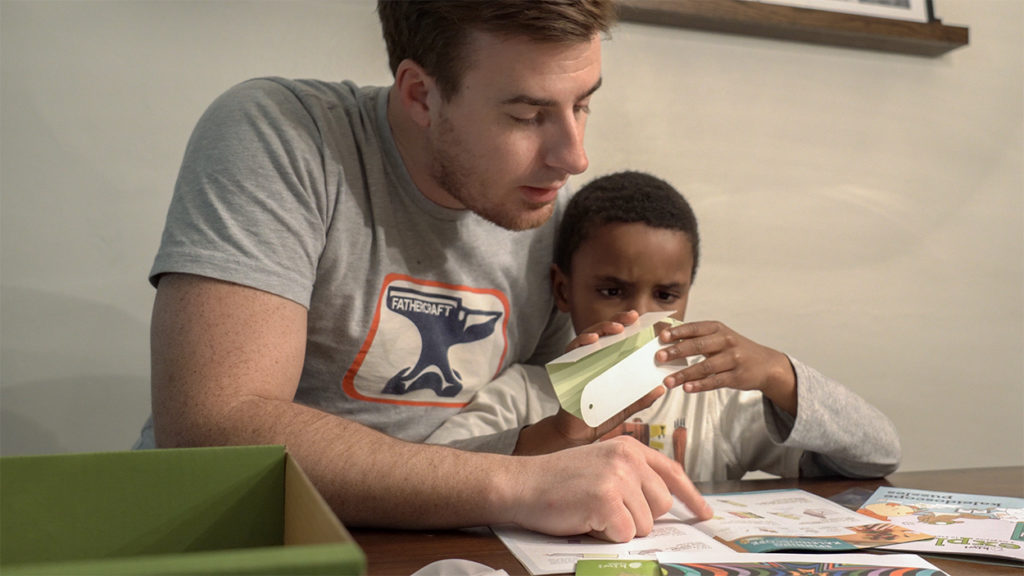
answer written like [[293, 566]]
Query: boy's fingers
[[689, 330], [626, 318]]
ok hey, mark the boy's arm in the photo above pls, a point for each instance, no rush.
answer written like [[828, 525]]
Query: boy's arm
[[518, 413], [840, 432], [520, 396]]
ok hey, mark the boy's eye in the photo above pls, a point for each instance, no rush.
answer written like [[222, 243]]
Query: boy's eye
[[665, 296], [610, 292]]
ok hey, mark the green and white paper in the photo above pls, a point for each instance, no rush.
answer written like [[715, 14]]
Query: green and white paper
[[597, 381]]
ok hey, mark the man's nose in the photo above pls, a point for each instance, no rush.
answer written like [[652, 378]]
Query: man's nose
[[566, 150]]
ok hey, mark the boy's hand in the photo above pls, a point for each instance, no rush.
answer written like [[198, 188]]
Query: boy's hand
[[730, 361], [614, 326], [563, 430]]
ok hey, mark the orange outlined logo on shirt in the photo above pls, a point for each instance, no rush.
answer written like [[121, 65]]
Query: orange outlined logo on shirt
[[430, 344]]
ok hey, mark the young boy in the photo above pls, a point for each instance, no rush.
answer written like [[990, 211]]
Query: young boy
[[628, 244]]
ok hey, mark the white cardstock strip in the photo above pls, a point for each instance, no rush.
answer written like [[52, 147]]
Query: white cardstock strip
[[625, 383]]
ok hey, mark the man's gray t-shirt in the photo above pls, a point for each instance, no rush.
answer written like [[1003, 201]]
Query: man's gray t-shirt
[[297, 188]]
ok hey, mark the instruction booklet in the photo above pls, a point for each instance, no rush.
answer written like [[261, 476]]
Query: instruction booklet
[[744, 522]]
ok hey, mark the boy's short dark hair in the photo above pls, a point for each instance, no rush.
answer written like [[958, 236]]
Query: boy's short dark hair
[[434, 33], [624, 197]]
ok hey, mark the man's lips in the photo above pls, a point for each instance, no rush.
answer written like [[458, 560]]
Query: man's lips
[[540, 194]]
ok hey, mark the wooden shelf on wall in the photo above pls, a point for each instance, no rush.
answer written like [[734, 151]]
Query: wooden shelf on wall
[[799, 24]]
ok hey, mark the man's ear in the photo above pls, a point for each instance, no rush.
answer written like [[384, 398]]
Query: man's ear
[[560, 288], [417, 91]]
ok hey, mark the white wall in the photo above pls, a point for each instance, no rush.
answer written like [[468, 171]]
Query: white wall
[[860, 210]]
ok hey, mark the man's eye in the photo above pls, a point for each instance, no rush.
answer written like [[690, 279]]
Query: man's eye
[[528, 120], [582, 109]]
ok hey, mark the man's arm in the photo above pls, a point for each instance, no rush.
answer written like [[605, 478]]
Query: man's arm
[[226, 361]]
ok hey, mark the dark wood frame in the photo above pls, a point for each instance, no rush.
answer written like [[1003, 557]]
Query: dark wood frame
[[800, 24]]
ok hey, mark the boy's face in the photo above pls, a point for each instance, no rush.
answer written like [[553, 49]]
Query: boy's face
[[509, 139], [622, 267]]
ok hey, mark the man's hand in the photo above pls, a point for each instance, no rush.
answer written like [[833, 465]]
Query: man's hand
[[730, 361], [612, 490]]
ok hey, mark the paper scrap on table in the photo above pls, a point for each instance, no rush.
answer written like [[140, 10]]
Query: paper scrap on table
[[597, 381]]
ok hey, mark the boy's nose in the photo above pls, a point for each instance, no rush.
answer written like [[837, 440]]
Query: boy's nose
[[643, 306]]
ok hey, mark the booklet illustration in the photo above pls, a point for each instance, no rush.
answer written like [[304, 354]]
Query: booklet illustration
[[744, 522], [774, 520], [597, 381], [967, 524]]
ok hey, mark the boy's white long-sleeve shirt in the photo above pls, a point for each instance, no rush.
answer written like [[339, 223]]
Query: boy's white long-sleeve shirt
[[723, 433]]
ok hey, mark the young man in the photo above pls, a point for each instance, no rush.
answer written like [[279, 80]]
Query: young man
[[343, 267], [629, 244]]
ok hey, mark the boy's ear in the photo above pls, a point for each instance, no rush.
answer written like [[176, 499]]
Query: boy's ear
[[560, 288], [417, 91]]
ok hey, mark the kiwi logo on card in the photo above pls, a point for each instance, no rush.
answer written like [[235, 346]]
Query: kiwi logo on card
[[430, 344]]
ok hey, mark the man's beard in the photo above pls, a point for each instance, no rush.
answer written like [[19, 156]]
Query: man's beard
[[455, 176]]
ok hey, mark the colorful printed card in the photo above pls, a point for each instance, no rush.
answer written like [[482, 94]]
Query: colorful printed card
[[673, 564], [968, 524]]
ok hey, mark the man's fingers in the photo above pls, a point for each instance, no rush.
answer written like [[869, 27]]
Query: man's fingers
[[641, 514], [660, 480], [680, 485], [613, 490], [619, 528]]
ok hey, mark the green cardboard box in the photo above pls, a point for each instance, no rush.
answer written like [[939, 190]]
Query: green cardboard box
[[234, 510]]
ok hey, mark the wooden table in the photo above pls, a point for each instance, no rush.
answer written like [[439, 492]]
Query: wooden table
[[393, 552]]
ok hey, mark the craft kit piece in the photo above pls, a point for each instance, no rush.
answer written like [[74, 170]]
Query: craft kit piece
[[597, 381]]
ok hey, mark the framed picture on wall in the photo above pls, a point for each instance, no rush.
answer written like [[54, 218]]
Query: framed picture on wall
[[913, 10], [901, 26]]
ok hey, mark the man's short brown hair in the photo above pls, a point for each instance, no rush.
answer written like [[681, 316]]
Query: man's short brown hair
[[434, 33]]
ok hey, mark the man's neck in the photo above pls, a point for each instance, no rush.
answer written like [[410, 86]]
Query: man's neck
[[412, 148]]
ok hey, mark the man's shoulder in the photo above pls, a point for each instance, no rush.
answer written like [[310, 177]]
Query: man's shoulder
[[329, 114], [312, 93]]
